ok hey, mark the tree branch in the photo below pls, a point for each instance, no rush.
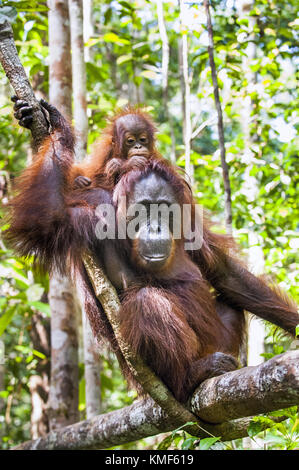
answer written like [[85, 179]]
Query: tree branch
[[270, 386], [251, 390], [17, 76], [225, 172], [109, 300], [202, 126]]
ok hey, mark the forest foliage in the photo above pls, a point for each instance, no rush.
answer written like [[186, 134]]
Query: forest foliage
[[124, 63]]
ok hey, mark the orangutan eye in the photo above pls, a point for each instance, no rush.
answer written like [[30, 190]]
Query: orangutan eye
[[143, 140], [130, 140]]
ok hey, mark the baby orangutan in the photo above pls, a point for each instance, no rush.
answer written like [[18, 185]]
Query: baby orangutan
[[126, 144]]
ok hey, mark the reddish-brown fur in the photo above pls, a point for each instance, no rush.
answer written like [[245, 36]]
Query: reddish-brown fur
[[108, 147], [173, 318]]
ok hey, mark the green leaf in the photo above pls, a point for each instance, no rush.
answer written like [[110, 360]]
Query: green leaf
[[242, 21], [6, 318], [259, 424], [82, 400], [39, 354], [112, 37], [107, 16], [23, 349], [289, 412], [124, 58], [206, 443], [27, 5], [126, 5], [17, 273], [41, 306], [139, 44], [166, 443], [188, 443], [254, 428], [150, 74], [137, 81], [165, 138], [27, 350]]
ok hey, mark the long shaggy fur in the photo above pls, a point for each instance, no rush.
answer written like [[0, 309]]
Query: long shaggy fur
[[108, 147], [170, 330], [174, 318]]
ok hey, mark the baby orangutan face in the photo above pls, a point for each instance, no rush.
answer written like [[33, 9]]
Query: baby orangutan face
[[133, 135], [137, 144]]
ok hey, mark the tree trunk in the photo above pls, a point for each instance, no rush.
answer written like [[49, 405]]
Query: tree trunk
[[256, 329], [92, 371], [2, 385], [225, 171], [164, 70], [186, 100], [182, 84], [60, 64], [88, 26], [79, 78], [63, 400], [91, 362], [39, 384]]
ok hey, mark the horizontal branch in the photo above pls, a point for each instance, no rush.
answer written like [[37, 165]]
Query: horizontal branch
[[246, 392], [249, 391]]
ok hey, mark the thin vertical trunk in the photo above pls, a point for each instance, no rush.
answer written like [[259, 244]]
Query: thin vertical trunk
[[63, 399], [136, 91], [256, 329], [92, 371], [92, 367], [39, 420], [182, 83], [39, 383], [185, 79], [225, 172], [60, 66], [88, 27], [165, 68], [79, 77], [2, 385], [165, 52]]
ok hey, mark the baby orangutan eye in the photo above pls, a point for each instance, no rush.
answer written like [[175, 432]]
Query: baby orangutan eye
[[143, 140], [130, 140]]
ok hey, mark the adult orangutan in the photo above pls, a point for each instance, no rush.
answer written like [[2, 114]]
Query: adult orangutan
[[170, 316]]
